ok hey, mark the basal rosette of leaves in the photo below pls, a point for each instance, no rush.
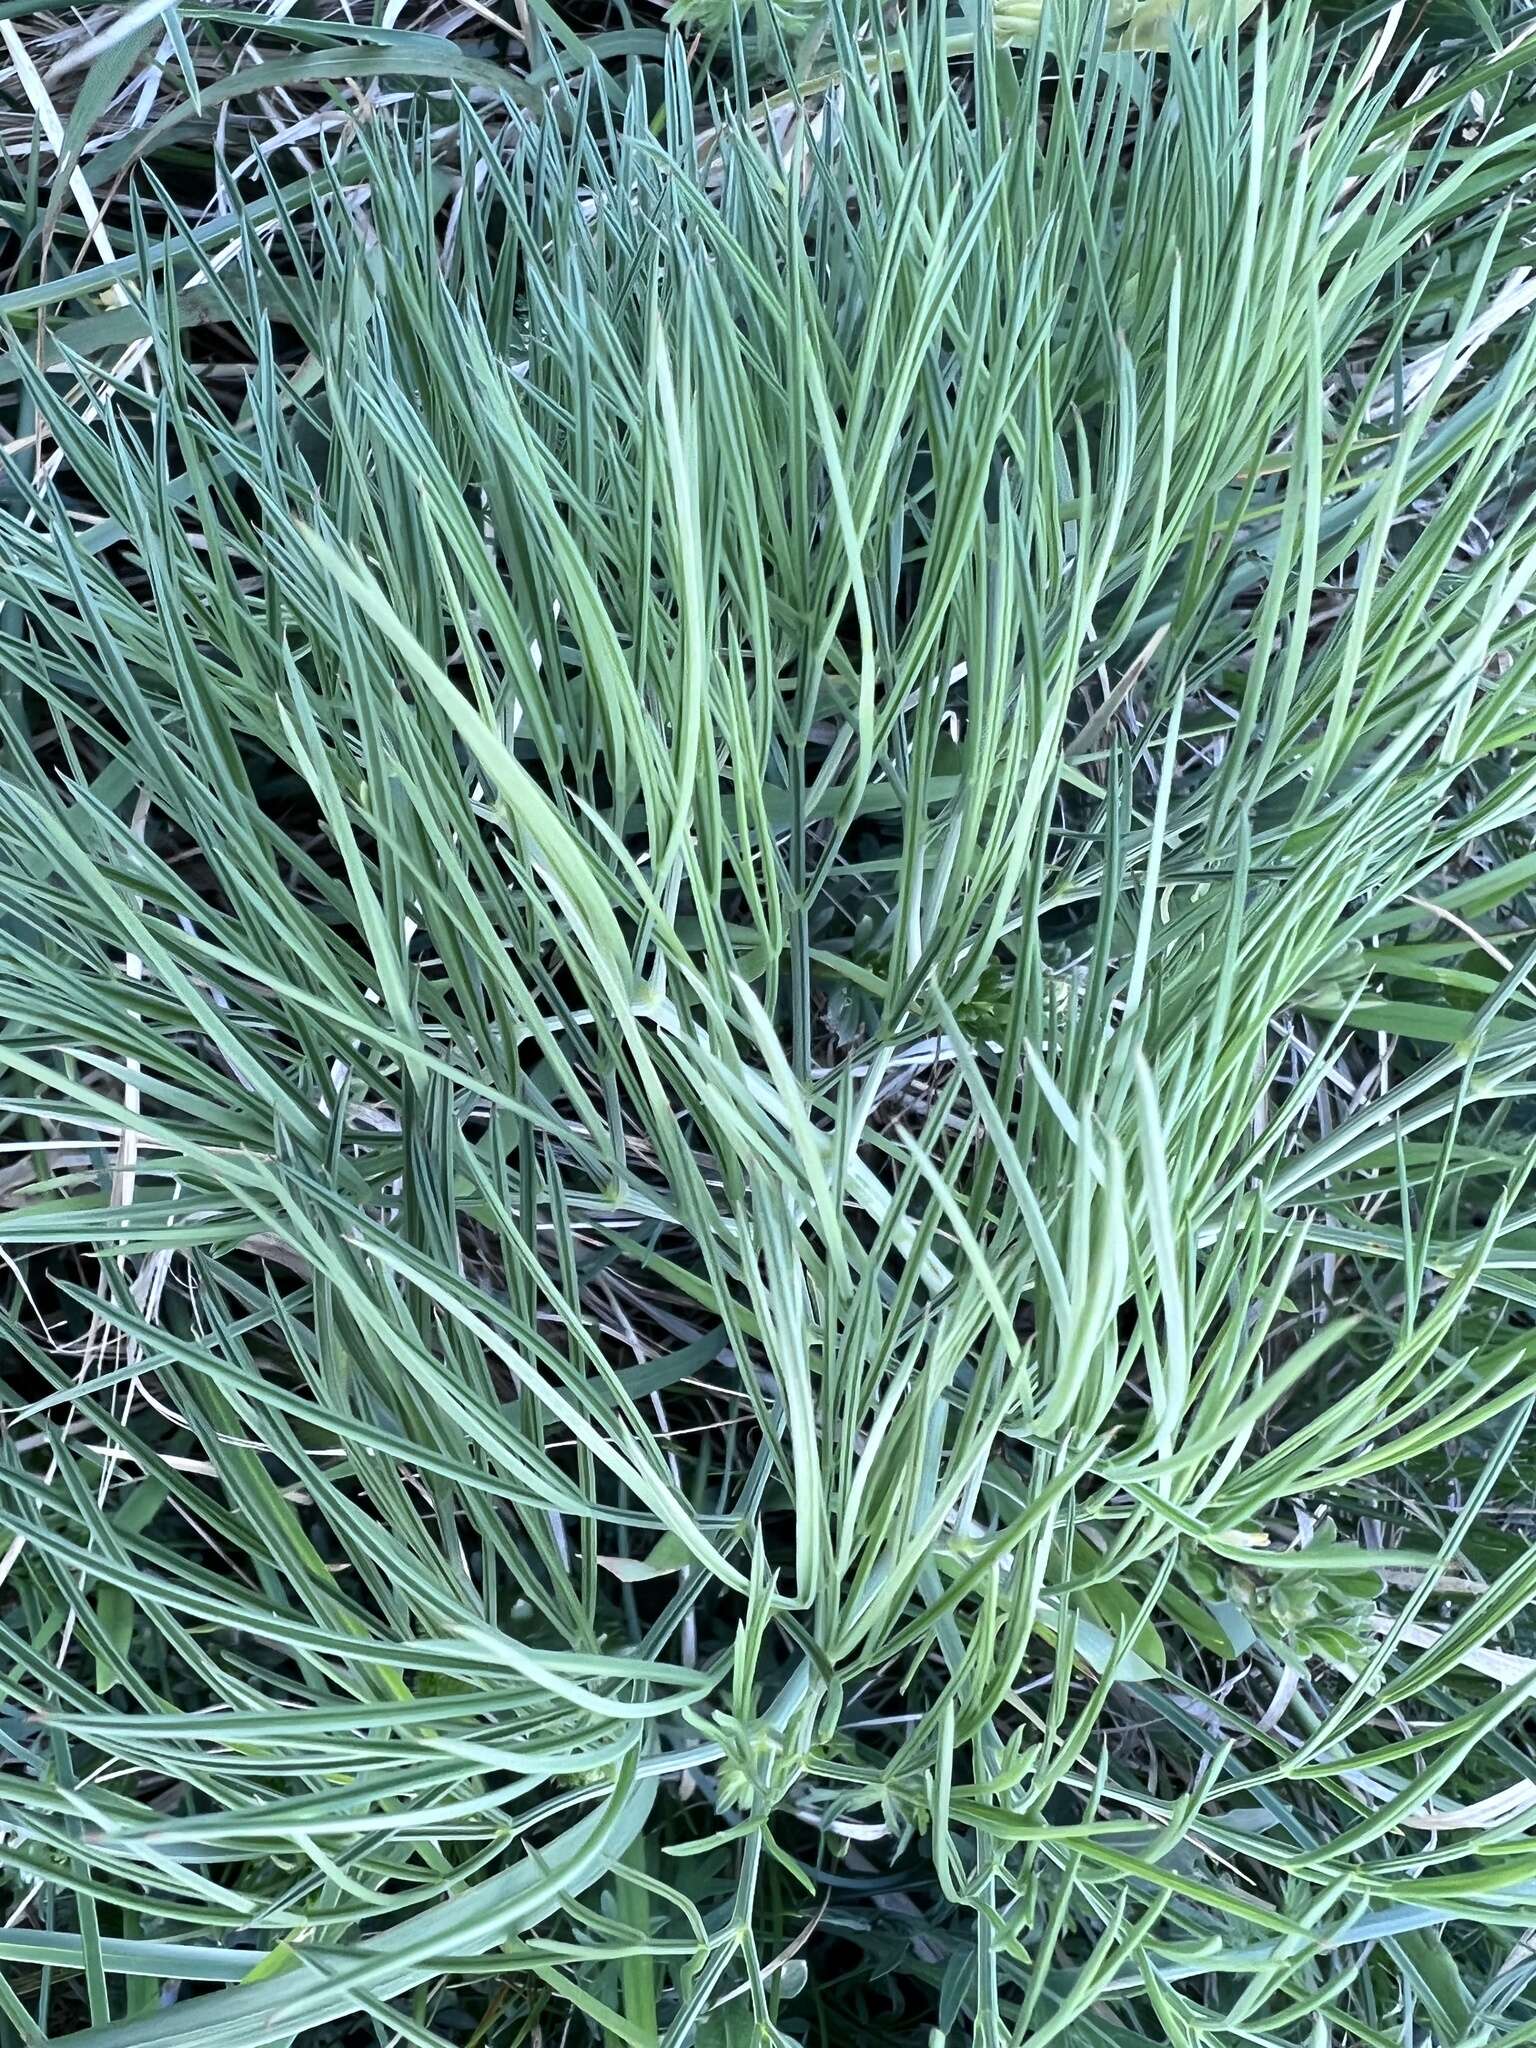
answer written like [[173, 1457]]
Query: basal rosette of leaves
[[766, 1055]]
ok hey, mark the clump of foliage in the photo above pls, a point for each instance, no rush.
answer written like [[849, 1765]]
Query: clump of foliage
[[766, 1051]]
